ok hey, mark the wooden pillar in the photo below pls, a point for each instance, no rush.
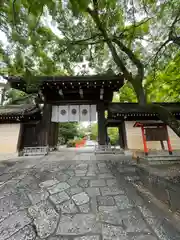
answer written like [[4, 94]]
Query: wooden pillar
[[162, 145], [101, 123], [53, 135], [121, 144], [123, 136], [168, 142], [45, 125], [106, 135], [56, 134], [20, 144], [144, 141]]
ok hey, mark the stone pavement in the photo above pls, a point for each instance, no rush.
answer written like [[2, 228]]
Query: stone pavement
[[62, 200]]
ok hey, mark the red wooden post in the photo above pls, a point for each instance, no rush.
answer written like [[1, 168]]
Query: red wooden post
[[144, 141], [168, 142]]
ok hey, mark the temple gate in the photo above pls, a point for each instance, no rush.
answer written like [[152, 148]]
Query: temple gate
[[64, 97]]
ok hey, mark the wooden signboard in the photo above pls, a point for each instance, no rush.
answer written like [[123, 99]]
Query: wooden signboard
[[156, 134]]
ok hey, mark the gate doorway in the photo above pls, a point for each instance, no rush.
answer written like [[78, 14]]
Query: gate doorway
[[63, 97]]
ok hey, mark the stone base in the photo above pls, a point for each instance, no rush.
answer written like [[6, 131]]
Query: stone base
[[160, 159], [163, 181]]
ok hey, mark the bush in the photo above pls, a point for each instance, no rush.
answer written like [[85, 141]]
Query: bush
[[71, 143]]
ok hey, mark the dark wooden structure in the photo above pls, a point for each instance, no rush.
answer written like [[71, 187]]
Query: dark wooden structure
[[62, 90], [28, 116], [133, 111], [153, 130], [22, 113]]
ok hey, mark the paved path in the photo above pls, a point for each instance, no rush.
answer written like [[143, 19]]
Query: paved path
[[79, 200]]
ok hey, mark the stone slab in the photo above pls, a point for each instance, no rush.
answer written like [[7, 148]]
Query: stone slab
[[73, 181], [26, 233], [74, 190], [28, 183], [130, 219], [8, 188], [106, 175], [5, 177], [110, 232], [101, 165], [67, 207], [92, 192], [85, 208], [104, 170], [38, 196], [13, 224], [111, 182], [62, 177], [105, 200], [59, 197], [123, 202], [144, 237], [11, 204], [82, 166], [45, 218], [108, 208], [57, 238], [97, 183], [91, 174], [83, 183], [80, 198], [80, 173], [88, 238], [69, 172], [78, 224], [59, 187], [111, 191]]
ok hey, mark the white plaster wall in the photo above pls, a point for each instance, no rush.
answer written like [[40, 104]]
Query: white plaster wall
[[175, 140], [134, 139], [9, 134]]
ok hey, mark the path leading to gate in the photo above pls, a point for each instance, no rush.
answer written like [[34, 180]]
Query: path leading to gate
[[55, 198]]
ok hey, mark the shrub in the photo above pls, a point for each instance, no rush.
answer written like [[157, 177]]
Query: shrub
[[71, 143]]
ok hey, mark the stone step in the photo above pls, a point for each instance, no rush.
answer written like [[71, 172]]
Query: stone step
[[133, 179], [160, 159], [162, 186]]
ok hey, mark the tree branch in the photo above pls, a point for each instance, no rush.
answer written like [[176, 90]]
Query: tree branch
[[132, 57], [160, 48], [117, 60], [167, 117], [86, 39], [175, 39], [121, 35]]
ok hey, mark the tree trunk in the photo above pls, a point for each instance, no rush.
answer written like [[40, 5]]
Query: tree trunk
[[139, 90], [166, 116], [3, 92]]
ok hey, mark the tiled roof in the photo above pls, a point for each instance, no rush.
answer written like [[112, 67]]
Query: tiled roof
[[18, 110], [134, 108]]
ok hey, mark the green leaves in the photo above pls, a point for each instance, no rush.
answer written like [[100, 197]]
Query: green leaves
[[79, 6], [68, 131]]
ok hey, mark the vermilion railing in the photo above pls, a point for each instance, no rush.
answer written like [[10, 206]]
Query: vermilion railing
[[81, 143]]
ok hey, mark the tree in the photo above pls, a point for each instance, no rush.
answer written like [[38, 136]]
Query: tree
[[133, 34], [94, 131], [165, 87], [67, 131]]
